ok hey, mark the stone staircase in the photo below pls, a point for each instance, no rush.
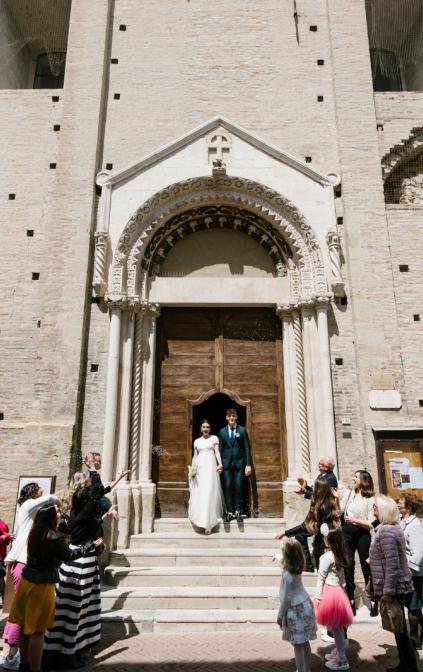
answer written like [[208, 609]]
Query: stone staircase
[[176, 579]]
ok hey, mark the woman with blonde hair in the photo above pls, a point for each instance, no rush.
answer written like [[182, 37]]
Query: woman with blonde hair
[[391, 576]]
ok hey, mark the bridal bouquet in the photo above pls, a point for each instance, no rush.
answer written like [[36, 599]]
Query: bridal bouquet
[[192, 470]]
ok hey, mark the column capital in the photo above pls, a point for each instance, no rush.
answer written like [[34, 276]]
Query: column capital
[[151, 310], [117, 300], [324, 301], [101, 236]]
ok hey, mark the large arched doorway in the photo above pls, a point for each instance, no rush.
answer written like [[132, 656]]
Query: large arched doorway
[[210, 359]]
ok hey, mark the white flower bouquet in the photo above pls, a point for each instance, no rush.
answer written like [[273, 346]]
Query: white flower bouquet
[[192, 470]]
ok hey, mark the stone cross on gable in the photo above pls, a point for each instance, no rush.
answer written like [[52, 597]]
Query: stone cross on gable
[[219, 145]]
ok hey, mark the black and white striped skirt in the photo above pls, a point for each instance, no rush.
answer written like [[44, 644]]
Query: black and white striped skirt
[[78, 607]]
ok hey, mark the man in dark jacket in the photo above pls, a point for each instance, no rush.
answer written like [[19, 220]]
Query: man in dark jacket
[[235, 451], [326, 465]]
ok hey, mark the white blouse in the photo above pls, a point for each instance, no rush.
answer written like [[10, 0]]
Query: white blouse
[[360, 507], [328, 573]]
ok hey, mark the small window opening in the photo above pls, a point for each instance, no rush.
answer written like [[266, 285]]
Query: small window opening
[[50, 70]]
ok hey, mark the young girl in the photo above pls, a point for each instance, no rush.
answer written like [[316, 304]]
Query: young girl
[[333, 606], [296, 615]]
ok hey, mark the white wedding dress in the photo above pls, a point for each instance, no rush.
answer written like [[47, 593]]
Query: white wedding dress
[[206, 500]]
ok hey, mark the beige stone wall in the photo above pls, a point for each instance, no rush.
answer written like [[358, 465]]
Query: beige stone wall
[[179, 64], [407, 248], [42, 334]]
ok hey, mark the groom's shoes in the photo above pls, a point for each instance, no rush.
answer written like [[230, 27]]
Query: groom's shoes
[[238, 517], [228, 517]]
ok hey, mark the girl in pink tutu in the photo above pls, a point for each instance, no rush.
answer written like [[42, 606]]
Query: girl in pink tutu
[[333, 608]]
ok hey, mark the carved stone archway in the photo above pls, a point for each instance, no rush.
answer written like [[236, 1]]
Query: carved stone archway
[[127, 279], [152, 230]]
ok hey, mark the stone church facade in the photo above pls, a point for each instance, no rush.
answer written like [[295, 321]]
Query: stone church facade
[[214, 207]]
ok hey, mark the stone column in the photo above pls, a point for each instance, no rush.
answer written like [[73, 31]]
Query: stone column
[[311, 379], [295, 410], [295, 395], [111, 393], [327, 417], [123, 490], [148, 489]]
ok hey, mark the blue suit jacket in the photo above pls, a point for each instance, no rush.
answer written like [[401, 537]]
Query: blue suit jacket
[[235, 453]]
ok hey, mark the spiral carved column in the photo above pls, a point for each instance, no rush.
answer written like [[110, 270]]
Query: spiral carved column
[[100, 270], [136, 397], [301, 393]]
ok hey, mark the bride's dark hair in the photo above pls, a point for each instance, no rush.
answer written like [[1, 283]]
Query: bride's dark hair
[[202, 423]]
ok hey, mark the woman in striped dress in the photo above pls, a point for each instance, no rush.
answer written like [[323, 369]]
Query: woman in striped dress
[[78, 606]]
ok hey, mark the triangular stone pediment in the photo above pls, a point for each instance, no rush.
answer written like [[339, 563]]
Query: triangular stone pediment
[[216, 124]]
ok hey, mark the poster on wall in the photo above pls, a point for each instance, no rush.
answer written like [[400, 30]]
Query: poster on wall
[[404, 472]]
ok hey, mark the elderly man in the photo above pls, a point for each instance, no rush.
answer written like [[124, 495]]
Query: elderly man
[[326, 465]]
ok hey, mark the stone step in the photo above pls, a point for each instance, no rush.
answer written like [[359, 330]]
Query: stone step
[[190, 597], [204, 541], [271, 525], [207, 620], [189, 556], [197, 576]]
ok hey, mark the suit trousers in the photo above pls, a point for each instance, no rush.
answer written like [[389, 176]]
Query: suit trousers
[[233, 484]]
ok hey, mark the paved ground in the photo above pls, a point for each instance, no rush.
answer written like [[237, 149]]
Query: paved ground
[[371, 650]]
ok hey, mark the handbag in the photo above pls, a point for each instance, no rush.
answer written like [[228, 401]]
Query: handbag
[[2, 569], [392, 615]]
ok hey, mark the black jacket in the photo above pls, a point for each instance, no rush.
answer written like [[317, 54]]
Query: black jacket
[[44, 569], [328, 476]]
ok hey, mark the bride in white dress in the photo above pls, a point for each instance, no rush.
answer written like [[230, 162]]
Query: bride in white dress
[[206, 502]]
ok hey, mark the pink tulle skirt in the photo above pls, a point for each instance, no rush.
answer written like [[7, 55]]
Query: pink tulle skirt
[[334, 609]]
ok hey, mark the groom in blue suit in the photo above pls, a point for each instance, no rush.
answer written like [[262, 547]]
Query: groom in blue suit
[[235, 451]]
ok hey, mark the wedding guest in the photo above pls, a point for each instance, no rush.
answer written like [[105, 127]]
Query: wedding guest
[[326, 466], [296, 614], [324, 508], [33, 605], [333, 607], [391, 576], [412, 527], [358, 519], [31, 499], [77, 622]]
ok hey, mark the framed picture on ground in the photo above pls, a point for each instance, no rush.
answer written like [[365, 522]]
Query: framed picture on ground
[[47, 485]]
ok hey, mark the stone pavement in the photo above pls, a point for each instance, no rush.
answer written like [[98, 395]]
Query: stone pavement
[[370, 649]]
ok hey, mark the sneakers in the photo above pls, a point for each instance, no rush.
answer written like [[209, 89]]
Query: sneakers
[[337, 664], [326, 638], [11, 662], [332, 655]]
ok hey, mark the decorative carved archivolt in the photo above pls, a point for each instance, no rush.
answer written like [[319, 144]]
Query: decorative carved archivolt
[[217, 216], [284, 219]]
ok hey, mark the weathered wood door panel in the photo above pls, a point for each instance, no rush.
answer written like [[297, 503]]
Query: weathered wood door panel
[[200, 352]]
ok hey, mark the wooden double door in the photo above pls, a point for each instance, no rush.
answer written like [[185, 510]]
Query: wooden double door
[[207, 360]]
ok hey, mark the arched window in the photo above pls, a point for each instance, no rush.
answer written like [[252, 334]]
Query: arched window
[[386, 70], [50, 70]]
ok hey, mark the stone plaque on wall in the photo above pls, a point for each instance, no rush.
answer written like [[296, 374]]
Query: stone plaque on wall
[[386, 399]]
